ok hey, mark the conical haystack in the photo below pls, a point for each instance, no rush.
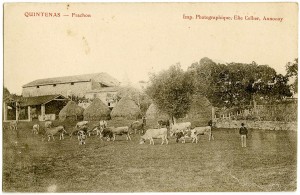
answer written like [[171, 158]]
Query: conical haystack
[[96, 111], [126, 108], [201, 110], [71, 111], [154, 113]]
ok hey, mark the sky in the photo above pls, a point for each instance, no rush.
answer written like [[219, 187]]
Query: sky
[[131, 40]]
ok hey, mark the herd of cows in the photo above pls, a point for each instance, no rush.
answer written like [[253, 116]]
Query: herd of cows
[[181, 131]]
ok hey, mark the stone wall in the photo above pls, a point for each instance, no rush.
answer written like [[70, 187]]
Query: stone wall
[[266, 125]]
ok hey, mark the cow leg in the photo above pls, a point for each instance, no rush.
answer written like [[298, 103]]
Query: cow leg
[[162, 141], [129, 136], [167, 140], [49, 137], [114, 137], [53, 137]]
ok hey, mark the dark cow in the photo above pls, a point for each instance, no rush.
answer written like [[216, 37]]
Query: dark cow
[[81, 137], [182, 135], [106, 133], [138, 126], [163, 123]]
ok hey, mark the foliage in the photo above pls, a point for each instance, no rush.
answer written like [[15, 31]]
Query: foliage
[[236, 84], [292, 72], [171, 90]]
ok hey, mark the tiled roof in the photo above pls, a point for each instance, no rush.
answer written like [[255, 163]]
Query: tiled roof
[[38, 100], [102, 78]]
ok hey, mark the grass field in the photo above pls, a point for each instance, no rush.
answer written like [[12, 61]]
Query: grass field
[[269, 163]]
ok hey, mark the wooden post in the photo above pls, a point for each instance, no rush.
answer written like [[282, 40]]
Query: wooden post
[[29, 113], [17, 111], [212, 112], [4, 111], [43, 111]]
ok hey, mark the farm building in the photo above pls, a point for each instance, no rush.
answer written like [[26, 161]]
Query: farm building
[[155, 114], [126, 108], [71, 111], [43, 108], [77, 85], [96, 111]]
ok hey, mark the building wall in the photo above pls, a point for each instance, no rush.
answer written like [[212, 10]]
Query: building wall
[[65, 89]]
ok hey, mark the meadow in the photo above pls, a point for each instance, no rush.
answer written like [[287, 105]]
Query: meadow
[[268, 163]]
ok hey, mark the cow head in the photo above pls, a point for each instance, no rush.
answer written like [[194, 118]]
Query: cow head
[[142, 141]]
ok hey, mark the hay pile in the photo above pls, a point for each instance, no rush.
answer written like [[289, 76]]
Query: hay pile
[[154, 113], [71, 111], [201, 110], [96, 111], [126, 108]]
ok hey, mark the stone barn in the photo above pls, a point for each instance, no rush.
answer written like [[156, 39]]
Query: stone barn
[[77, 85]]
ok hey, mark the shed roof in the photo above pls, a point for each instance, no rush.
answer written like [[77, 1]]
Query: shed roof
[[102, 78], [38, 100]]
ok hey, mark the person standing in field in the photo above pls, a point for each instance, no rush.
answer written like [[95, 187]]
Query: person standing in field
[[243, 133]]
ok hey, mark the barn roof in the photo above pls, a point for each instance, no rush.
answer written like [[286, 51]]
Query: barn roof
[[38, 100], [102, 78], [105, 89]]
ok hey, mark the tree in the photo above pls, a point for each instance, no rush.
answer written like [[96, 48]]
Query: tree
[[292, 72], [171, 90], [237, 84]]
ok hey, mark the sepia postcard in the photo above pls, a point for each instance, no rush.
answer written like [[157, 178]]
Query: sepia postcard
[[150, 97]]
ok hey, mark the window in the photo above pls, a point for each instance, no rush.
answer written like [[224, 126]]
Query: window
[[72, 83], [37, 86], [54, 85]]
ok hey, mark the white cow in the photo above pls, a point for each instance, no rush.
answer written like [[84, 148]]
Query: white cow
[[155, 134], [120, 131], [201, 131], [36, 129], [103, 124], [13, 125], [50, 132], [81, 124], [180, 127], [48, 124]]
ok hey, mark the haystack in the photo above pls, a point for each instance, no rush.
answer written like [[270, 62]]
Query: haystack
[[71, 111], [96, 111], [154, 113], [201, 110], [126, 108]]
